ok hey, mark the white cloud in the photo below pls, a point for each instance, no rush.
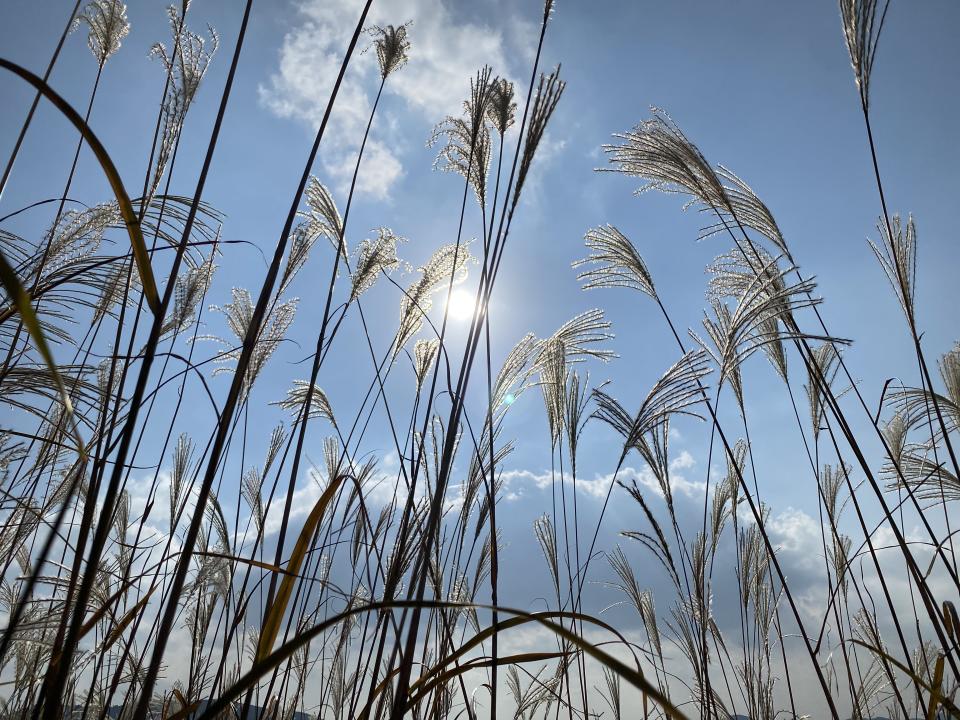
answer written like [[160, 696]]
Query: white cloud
[[599, 485], [445, 53]]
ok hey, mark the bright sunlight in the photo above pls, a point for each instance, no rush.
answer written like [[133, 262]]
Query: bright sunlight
[[461, 305]]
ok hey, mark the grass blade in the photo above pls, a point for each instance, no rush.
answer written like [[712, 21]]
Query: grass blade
[[130, 219], [274, 615], [20, 299]]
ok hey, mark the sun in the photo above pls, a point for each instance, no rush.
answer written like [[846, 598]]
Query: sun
[[461, 305]]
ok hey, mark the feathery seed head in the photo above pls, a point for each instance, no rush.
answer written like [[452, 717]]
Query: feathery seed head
[[861, 31], [657, 151], [392, 47], [467, 150], [502, 109], [107, 25], [897, 255], [298, 395], [424, 352], [447, 266], [549, 91], [324, 213], [619, 263], [372, 258]]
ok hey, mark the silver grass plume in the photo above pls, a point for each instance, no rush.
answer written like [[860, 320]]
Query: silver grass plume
[[501, 110], [950, 374], [861, 31], [107, 25], [181, 461], [916, 403], [189, 292], [301, 241], [897, 255], [657, 151], [424, 352], [471, 485], [479, 469], [840, 559], [218, 523], [273, 446], [549, 91], [251, 484], [733, 275], [324, 214], [656, 543], [927, 478], [546, 536], [735, 465], [675, 392], [331, 456], [746, 209], [579, 335], [612, 695], [825, 359], [75, 237], [619, 263], [186, 64], [721, 331], [297, 398], [373, 257], [467, 148], [700, 602], [641, 600], [575, 406], [895, 432], [529, 701], [721, 510], [515, 371], [61, 493], [120, 281], [188, 59], [654, 448], [486, 552], [121, 516], [448, 263], [239, 315], [831, 483], [548, 8], [392, 46], [774, 350], [867, 630], [553, 382]]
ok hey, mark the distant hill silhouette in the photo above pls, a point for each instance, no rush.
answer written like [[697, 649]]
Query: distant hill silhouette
[[254, 713]]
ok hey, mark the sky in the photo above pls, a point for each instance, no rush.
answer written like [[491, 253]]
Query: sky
[[764, 88]]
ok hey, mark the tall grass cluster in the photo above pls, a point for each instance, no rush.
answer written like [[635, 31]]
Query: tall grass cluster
[[219, 598]]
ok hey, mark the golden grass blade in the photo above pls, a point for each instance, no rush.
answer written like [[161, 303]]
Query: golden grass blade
[[130, 218], [20, 299], [948, 704], [485, 662], [274, 615], [128, 618], [100, 613], [186, 708], [935, 695]]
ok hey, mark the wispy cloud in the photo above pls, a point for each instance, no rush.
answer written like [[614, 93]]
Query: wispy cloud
[[597, 486], [446, 51]]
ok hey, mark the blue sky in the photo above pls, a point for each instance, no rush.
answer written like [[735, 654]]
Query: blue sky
[[764, 88]]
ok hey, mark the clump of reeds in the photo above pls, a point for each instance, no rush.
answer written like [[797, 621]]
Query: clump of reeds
[[378, 596]]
